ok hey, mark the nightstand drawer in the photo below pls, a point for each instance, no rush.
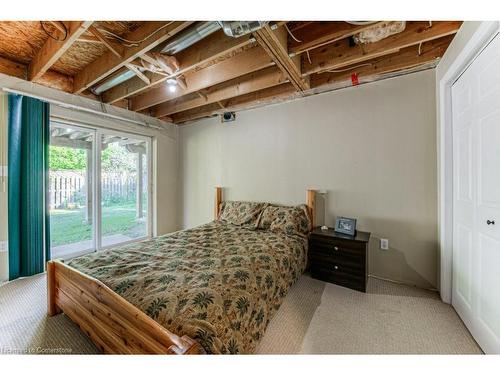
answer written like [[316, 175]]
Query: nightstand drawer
[[352, 261], [335, 251], [341, 276], [342, 267], [339, 245]]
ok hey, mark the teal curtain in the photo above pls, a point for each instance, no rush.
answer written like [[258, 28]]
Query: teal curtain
[[28, 140]]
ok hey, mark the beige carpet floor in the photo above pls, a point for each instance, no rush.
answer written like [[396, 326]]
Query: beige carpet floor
[[316, 317]]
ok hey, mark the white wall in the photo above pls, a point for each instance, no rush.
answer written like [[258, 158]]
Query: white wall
[[372, 147]]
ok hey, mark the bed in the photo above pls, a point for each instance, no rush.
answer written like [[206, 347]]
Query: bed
[[210, 289]]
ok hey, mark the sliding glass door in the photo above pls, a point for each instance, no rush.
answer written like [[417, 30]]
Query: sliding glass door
[[71, 190], [99, 189], [124, 188]]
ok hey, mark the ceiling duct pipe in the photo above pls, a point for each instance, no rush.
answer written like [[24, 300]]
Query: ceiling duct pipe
[[236, 29], [361, 23], [112, 82], [184, 40], [191, 36]]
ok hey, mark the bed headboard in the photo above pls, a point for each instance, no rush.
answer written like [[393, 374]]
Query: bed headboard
[[310, 203]]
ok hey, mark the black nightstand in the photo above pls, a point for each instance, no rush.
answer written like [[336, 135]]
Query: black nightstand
[[338, 258]]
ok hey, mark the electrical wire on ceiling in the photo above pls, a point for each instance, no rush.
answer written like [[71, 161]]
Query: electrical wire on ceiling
[[308, 57], [134, 43], [349, 68], [298, 41], [291, 34], [42, 24]]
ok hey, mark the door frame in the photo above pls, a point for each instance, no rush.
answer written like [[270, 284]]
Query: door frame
[[96, 171], [478, 41]]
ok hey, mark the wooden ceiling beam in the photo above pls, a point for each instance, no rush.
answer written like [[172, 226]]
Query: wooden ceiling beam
[[317, 34], [53, 49], [138, 73], [211, 48], [150, 35], [113, 47], [51, 79], [405, 59], [280, 92], [248, 61], [274, 42], [12, 68], [252, 82], [341, 54]]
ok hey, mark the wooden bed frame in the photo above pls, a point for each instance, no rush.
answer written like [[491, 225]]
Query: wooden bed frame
[[111, 322]]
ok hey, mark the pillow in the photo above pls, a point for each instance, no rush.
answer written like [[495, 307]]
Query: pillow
[[286, 219], [241, 213]]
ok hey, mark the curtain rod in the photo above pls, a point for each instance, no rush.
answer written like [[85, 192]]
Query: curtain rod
[[78, 108]]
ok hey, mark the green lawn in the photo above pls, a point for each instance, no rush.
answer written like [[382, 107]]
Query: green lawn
[[69, 226]]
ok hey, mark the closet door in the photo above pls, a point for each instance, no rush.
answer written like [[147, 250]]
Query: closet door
[[487, 118], [476, 247], [464, 196]]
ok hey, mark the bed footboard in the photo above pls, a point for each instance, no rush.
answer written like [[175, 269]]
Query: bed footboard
[[112, 323]]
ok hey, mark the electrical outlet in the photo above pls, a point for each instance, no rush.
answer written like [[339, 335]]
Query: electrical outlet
[[384, 244]]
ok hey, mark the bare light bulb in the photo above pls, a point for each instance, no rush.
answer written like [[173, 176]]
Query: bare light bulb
[[172, 88]]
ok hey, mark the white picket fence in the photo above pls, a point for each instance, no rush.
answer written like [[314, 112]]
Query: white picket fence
[[68, 189]]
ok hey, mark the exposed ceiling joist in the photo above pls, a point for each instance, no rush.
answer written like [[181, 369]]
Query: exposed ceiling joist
[[405, 59], [285, 90], [211, 48], [317, 34], [12, 68], [219, 73], [53, 49], [341, 54], [138, 73], [245, 62], [252, 82], [113, 47], [50, 78], [149, 58], [147, 37], [274, 42]]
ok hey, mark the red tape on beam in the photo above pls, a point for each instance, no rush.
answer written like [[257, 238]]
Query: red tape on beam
[[354, 79]]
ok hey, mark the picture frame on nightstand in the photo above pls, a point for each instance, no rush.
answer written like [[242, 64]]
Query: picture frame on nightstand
[[345, 225]]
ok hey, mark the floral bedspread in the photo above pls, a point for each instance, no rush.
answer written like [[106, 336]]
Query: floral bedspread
[[219, 283]]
